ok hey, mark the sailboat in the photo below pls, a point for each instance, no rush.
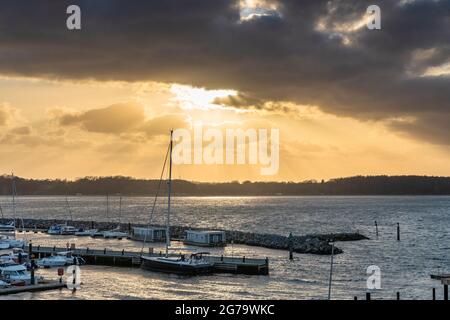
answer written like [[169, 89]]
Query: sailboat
[[193, 265], [116, 233], [8, 241], [6, 226], [63, 229]]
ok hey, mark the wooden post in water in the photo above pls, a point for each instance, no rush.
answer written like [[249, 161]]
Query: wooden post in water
[[30, 249], [376, 228], [398, 295], [367, 295], [32, 272], [434, 293], [291, 255], [398, 231], [446, 292], [331, 271]]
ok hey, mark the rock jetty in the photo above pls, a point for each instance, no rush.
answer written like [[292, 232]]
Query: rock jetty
[[313, 244]]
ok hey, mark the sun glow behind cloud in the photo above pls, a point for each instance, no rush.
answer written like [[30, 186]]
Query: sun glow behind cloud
[[198, 98]]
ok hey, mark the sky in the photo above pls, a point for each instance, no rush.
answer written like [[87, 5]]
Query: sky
[[346, 100]]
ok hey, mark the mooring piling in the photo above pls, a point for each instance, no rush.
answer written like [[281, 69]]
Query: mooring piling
[[446, 292], [398, 231], [434, 293], [376, 228], [291, 249]]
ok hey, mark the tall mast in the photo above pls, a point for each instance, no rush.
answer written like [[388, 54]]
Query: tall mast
[[13, 187], [120, 209], [168, 198], [107, 207], [69, 211]]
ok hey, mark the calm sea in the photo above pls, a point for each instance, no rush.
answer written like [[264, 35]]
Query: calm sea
[[405, 265]]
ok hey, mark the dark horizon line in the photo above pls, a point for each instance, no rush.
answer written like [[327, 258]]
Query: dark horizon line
[[313, 180]]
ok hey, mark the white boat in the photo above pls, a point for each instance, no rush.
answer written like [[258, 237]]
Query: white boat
[[61, 229], [4, 245], [68, 230], [13, 272], [7, 226], [7, 242], [4, 284], [194, 265], [86, 233], [115, 234], [61, 259]]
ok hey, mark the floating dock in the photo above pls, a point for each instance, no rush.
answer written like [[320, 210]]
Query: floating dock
[[221, 264], [440, 276], [33, 288]]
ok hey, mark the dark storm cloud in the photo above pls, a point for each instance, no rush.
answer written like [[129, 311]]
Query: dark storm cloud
[[280, 57]]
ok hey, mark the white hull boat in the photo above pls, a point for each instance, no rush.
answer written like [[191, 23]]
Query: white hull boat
[[7, 227], [7, 242], [86, 233], [15, 273], [114, 234], [61, 259]]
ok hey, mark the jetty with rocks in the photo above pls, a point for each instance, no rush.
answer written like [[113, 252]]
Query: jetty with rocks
[[313, 244]]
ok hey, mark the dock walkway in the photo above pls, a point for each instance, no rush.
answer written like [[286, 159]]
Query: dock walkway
[[32, 288], [238, 265]]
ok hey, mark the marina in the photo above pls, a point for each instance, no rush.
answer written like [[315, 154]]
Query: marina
[[304, 277]]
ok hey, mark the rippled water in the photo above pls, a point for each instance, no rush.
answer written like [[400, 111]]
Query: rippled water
[[405, 265]]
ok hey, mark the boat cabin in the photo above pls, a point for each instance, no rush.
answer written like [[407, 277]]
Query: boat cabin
[[208, 238], [151, 234]]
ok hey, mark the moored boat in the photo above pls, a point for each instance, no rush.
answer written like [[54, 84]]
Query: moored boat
[[85, 233], [195, 264], [192, 266], [61, 259]]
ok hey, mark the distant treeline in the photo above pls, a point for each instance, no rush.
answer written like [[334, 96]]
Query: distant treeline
[[359, 185]]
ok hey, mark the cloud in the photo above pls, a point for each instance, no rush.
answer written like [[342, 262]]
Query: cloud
[[6, 114], [117, 118], [123, 119], [281, 55]]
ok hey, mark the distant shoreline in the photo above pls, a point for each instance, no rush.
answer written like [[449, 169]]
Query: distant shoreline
[[126, 186]]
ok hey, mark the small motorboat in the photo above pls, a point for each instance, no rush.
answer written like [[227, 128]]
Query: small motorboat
[[86, 233], [115, 234], [55, 229], [62, 229], [7, 226], [7, 242], [68, 230], [15, 273], [4, 245], [17, 255], [4, 284], [61, 259], [195, 265]]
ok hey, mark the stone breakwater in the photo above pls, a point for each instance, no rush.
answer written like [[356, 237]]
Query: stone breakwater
[[314, 244]]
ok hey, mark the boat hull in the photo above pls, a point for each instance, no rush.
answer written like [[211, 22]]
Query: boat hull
[[203, 244], [181, 269]]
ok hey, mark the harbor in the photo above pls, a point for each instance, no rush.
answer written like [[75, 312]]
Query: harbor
[[305, 276]]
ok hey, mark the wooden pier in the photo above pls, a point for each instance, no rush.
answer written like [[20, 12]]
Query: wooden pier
[[237, 265], [33, 288]]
